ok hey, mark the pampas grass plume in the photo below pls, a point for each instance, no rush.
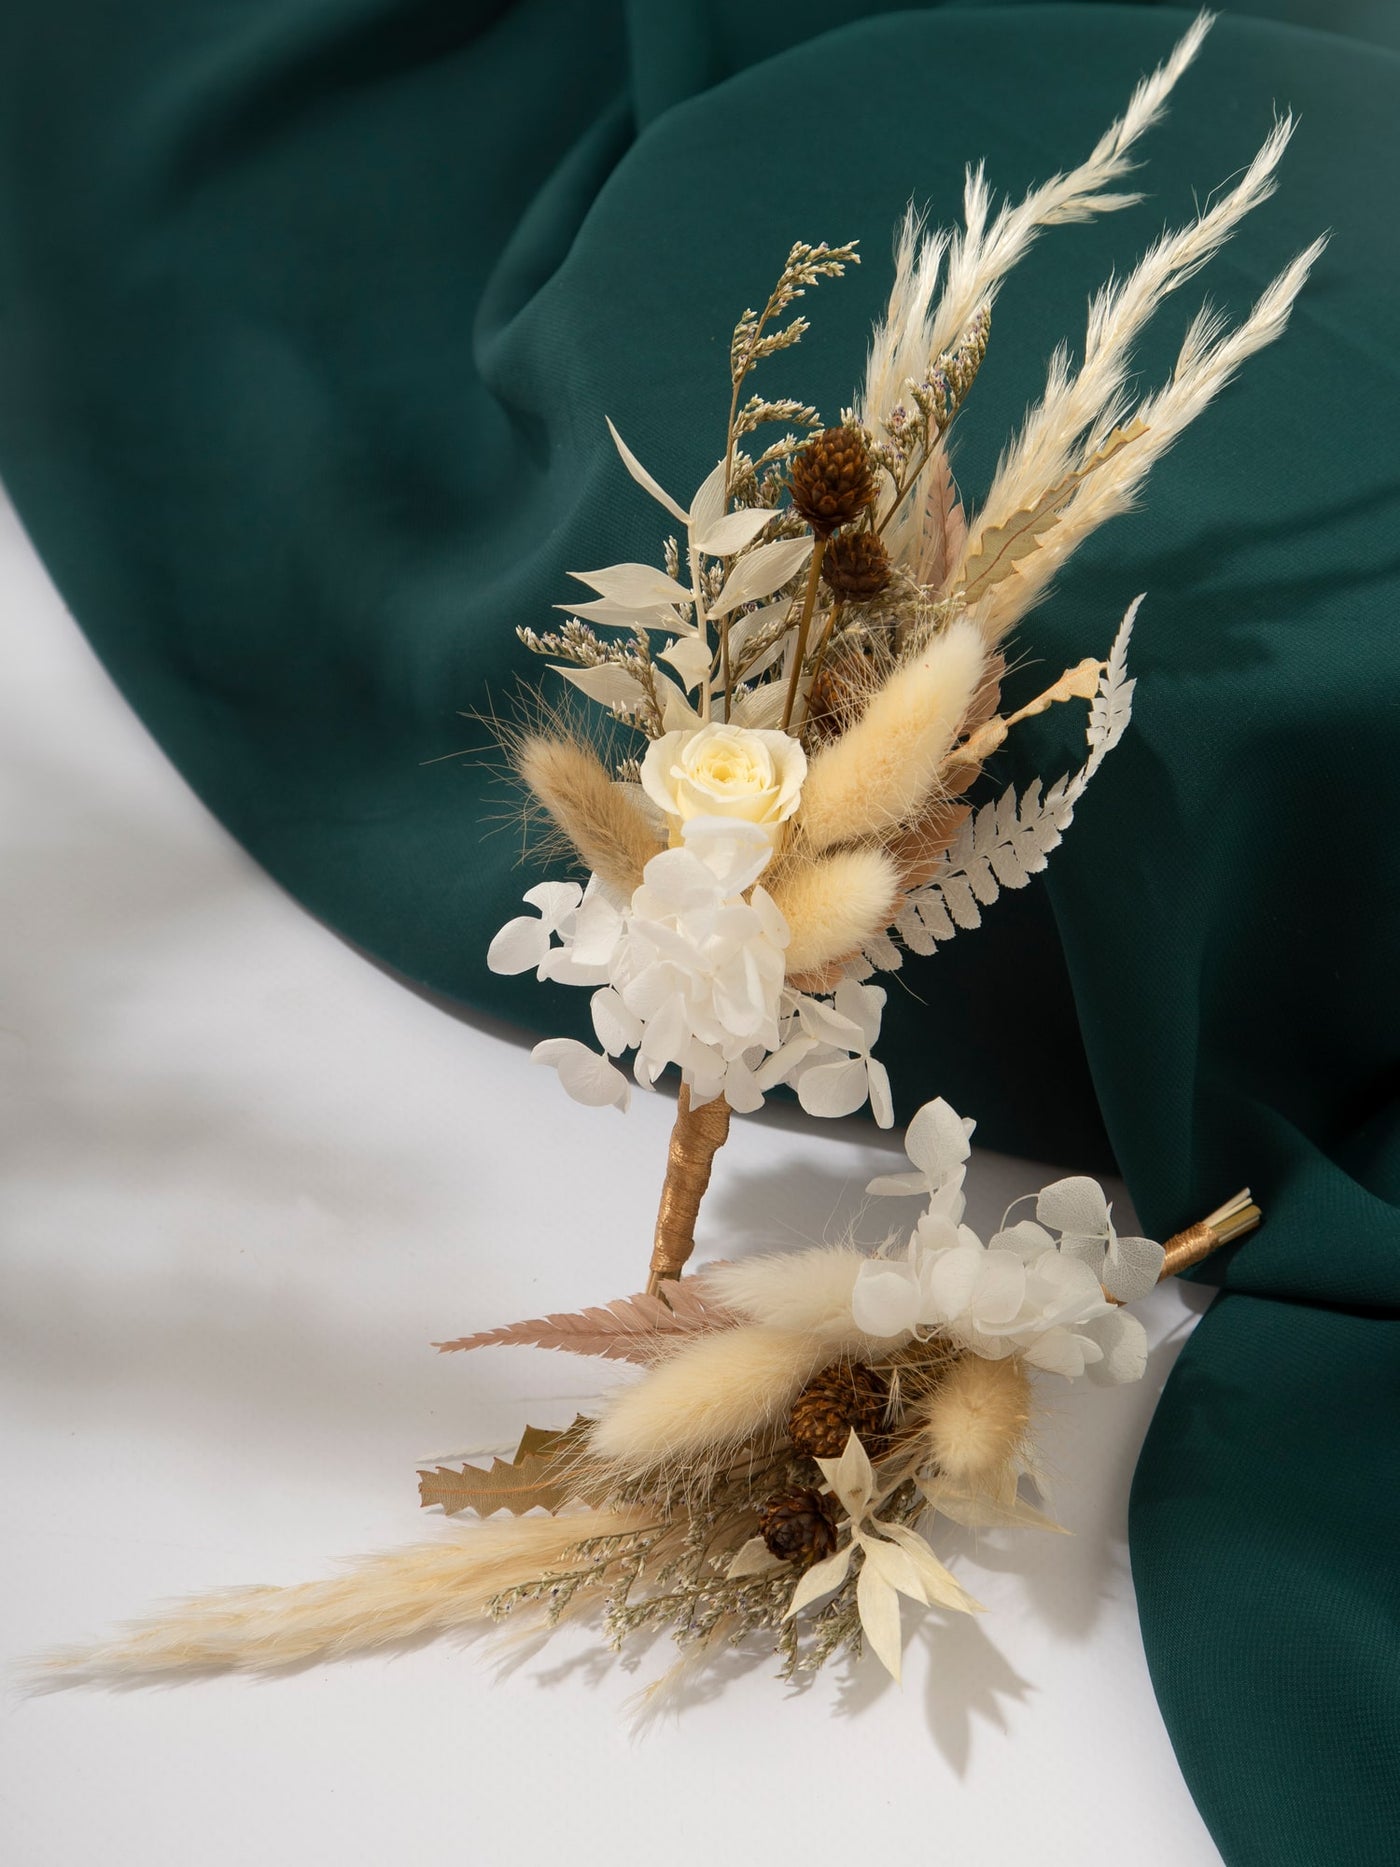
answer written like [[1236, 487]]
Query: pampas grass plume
[[975, 1420], [428, 1588], [834, 905], [707, 1397], [882, 772], [600, 817]]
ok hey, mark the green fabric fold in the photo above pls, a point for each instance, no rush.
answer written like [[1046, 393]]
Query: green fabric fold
[[310, 315]]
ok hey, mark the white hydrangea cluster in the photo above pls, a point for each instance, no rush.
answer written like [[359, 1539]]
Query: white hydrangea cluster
[[1023, 1292], [690, 971]]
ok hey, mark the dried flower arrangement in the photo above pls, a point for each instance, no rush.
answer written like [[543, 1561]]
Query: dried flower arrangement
[[811, 681]]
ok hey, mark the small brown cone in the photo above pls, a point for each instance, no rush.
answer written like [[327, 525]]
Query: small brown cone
[[856, 567], [797, 1526], [842, 1400], [831, 480]]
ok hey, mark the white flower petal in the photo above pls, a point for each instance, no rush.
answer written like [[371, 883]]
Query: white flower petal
[[1123, 1340], [881, 1101], [616, 1027], [1077, 1204], [884, 1298], [1025, 1237], [938, 1140], [1132, 1267], [897, 1185], [520, 945], [586, 1076], [830, 1090], [850, 1477]]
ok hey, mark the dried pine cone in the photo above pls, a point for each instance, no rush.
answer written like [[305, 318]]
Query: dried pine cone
[[798, 1526], [856, 566], [831, 481], [829, 1406], [844, 684]]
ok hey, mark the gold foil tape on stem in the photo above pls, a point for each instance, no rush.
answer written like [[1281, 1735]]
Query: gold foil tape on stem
[[695, 1140], [1230, 1221]]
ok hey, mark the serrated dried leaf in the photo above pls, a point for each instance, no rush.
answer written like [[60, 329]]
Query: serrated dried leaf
[[536, 1478], [944, 525], [635, 1329], [1002, 546]]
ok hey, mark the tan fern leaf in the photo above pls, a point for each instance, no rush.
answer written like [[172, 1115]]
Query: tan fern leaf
[[637, 1329]]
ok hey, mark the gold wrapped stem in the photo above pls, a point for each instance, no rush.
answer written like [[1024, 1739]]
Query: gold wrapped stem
[[695, 1140], [1230, 1221]]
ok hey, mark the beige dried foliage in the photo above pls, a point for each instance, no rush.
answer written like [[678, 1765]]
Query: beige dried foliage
[[885, 769], [428, 1588], [834, 904], [602, 820]]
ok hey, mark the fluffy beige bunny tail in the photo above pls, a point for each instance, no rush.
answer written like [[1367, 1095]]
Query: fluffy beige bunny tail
[[383, 1601]]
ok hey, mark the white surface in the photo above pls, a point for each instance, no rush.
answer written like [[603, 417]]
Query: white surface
[[249, 1179]]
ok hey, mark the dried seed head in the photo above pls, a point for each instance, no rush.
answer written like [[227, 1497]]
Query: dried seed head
[[831, 481], [856, 566], [835, 1402], [797, 1526]]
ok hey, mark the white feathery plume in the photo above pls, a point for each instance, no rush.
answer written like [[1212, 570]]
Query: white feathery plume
[[985, 250], [428, 1588], [914, 331], [1209, 357], [1073, 418]]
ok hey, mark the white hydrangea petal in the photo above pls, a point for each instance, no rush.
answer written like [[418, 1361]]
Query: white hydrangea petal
[[1001, 1289], [555, 900], [1076, 1204], [1087, 1247], [1058, 1351], [617, 1028], [938, 1140], [830, 1090], [1025, 1237], [586, 1076], [950, 1280], [1123, 1340], [884, 1298], [881, 1100], [1132, 1268], [897, 1185], [520, 946], [735, 852]]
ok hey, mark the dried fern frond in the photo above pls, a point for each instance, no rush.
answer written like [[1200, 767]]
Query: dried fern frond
[[602, 819]]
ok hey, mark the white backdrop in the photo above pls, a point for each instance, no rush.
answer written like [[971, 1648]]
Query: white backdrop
[[248, 1180]]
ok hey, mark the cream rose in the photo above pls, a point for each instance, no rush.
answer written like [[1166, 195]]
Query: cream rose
[[725, 771]]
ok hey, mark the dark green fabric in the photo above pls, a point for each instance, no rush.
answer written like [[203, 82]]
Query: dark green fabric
[[310, 312]]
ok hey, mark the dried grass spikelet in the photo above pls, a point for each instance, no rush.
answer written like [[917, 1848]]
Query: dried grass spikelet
[[803, 1290], [385, 1600], [975, 1420], [600, 817], [834, 904], [708, 1397], [883, 771]]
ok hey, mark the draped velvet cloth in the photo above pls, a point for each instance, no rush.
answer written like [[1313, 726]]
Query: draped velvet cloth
[[310, 314]]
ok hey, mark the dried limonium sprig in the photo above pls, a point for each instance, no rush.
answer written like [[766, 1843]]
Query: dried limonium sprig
[[812, 678]]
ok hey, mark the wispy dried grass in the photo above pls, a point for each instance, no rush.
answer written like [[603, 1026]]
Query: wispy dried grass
[[603, 821]]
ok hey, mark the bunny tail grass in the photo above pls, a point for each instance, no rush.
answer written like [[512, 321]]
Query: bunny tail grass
[[834, 905], [882, 772], [707, 1397], [600, 817], [383, 1601]]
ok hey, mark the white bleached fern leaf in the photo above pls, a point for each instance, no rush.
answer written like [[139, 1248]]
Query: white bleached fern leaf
[[1006, 842]]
